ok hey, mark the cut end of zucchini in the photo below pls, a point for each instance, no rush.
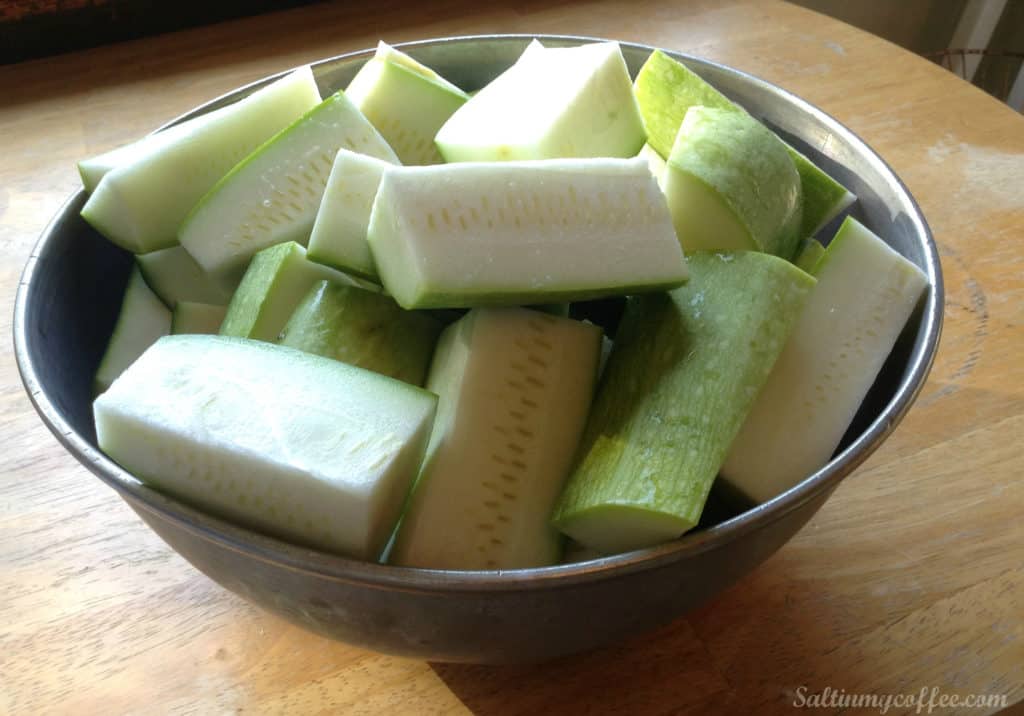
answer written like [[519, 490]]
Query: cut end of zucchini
[[100, 212], [406, 101], [93, 169], [339, 233], [552, 103], [142, 320], [655, 163], [175, 276], [702, 218], [611, 529]]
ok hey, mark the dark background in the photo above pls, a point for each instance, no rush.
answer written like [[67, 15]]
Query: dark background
[[37, 28]]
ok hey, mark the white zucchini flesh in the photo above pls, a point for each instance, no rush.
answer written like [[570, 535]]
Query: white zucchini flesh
[[273, 196], [142, 320], [339, 232], [655, 163], [514, 388], [141, 204], [301, 447], [93, 169], [553, 102], [406, 101], [470, 234], [194, 318], [865, 294], [534, 47], [175, 276]]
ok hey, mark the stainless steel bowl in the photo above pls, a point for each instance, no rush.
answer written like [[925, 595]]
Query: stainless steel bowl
[[65, 310]]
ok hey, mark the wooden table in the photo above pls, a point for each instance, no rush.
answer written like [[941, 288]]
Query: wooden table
[[911, 577]]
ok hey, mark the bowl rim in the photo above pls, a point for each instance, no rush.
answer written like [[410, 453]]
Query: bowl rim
[[370, 574]]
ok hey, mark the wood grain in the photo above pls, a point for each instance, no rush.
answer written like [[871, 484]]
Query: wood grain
[[911, 577]]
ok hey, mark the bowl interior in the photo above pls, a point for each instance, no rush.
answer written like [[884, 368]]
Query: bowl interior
[[72, 286]]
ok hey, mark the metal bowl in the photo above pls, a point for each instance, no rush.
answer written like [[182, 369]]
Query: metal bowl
[[69, 297]]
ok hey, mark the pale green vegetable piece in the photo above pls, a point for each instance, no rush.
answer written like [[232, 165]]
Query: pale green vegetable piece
[[684, 370], [142, 320], [655, 163], [300, 447], [470, 234], [824, 197], [194, 318], [363, 328], [552, 103], [514, 388], [666, 89], [273, 195], [865, 294], [93, 169], [278, 278], [731, 185], [406, 101], [810, 255], [175, 276], [339, 233], [140, 205]]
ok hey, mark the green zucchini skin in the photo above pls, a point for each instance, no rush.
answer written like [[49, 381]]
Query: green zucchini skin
[[275, 282], [684, 371], [366, 329], [731, 185], [666, 89]]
